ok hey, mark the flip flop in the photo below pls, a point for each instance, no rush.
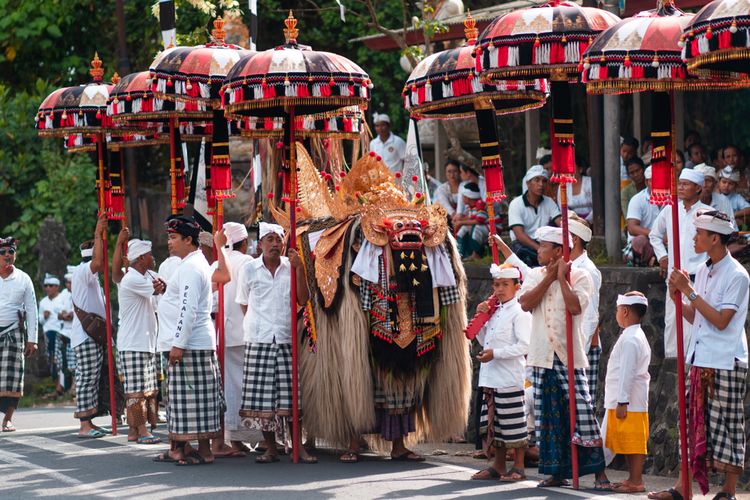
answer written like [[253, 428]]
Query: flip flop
[[724, 494], [350, 457], [673, 493], [513, 476], [266, 459], [92, 434], [164, 457], [231, 454], [9, 427], [308, 460], [628, 488], [552, 482], [409, 456], [148, 440], [193, 458], [244, 448], [492, 474], [604, 485]]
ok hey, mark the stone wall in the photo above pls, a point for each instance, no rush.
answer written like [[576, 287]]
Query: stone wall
[[663, 444]]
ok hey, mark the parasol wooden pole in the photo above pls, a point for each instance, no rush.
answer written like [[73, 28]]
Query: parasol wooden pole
[[220, 288], [172, 165], [484, 112], [293, 281], [124, 221], [686, 483], [107, 301]]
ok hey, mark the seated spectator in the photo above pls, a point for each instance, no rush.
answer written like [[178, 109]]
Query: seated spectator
[[470, 174], [692, 137], [696, 155], [639, 219], [679, 161], [628, 149], [733, 158], [471, 225], [710, 196], [550, 188], [447, 193], [431, 182], [647, 146], [717, 160], [529, 212], [636, 173], [580, 197], [728, 180]]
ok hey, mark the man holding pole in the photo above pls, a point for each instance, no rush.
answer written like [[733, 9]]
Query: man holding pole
[[548, 295], [716, 307]]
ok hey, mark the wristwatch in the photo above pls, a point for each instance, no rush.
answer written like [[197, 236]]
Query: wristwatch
[[692, 296]]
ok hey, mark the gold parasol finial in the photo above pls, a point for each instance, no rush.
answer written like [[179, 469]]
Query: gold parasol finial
[[470, 28], [219, 33], [96, 70], [291, 31], [116, 78]]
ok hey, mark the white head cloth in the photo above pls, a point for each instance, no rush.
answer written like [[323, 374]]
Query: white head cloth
[[533, 171], [69, 272], [137, 247], [730, 174], [381, 118], [580, 229], [631, 300], [713, 220], [87, 252], [707, 171], [648, 172], [206, 239], [694, 176], [542, 152], [235, 232], [504, 272], [266, 228], [552, 235], [51, 280], [472, 195]]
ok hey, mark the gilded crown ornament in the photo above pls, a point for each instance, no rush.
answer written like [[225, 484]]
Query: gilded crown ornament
[[96, 71], [291, 32], [470, 28], [219, 33]]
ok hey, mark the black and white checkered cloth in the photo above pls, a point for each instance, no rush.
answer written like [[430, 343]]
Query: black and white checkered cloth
[[592, 372], [11, 363], [395, 397], [587, 431], [267, 384], [196, 402], [138, 371], [89, 360], [509, 417]]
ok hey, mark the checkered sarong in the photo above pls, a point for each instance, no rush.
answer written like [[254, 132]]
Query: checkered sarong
[[138, 370], [509, 418], [89, 360], [592, 372], [195, 403], [267, 385], [11, 363], [587, 432]]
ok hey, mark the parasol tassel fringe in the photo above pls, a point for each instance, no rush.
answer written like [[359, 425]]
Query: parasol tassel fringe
[[447, 89], [476, 85], [572, 53]]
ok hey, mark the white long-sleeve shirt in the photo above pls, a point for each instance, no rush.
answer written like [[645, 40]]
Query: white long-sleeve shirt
[[52, 306], [17, 294], [507, 333], [627, 371], [234, 334], [591, 315], [194, 330], [87, 296], [662, 227]]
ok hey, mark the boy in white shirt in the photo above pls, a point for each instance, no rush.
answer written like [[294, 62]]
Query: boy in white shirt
[[625, 426], [505, 342]]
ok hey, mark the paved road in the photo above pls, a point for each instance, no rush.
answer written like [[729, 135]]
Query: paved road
[[44, 458]]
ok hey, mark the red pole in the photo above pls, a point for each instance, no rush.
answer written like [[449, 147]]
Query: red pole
[[172, 166], [686, 483], [293, 282], [220, 309], [107, 302]]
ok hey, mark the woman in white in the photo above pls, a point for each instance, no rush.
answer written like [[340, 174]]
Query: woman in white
[[580, 197]]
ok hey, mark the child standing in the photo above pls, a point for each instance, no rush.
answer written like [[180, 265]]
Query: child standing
[[471, 225], [625, 426], [505, 343]]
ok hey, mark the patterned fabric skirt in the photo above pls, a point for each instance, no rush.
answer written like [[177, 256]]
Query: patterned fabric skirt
[[506, 410], [627, 436], [553, 423], [195, 401], [11, 363], [65, 357], [138, 371], [267, 387], [592, 372], [89, 360]]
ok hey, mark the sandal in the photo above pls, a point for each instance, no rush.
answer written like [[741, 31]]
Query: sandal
[[148, 440], [92, 434], [409, 456], [350, 457], [724, 494], [513, 476], [552, 482], [603, 485], [266, 459], [673, 494], [479, 455], [164, 457], [9, 427], [489, 473], [627, 488], [308, 460], [193, 458], [231, 454]]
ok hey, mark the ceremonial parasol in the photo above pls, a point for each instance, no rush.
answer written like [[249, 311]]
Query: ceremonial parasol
[[446, 85], [718, 37], [643, 53], [289, 81], [82, 109], [547, 41]]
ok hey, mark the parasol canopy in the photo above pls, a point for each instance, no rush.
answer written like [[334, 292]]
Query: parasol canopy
[[265, 83], [543, 41], [446, 85], [718, 37], [344, 123]]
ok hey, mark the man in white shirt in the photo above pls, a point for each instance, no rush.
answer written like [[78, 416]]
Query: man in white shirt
[[688, 191], [639, 220], [716, 306], [580, 233], [195, 401], [710, 196], [136, 339], [547, 294], [529, 212], [235, 252], [66, 354], [390, 147], [265, 295], [18, 335], [50, 308], [88, 298]]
